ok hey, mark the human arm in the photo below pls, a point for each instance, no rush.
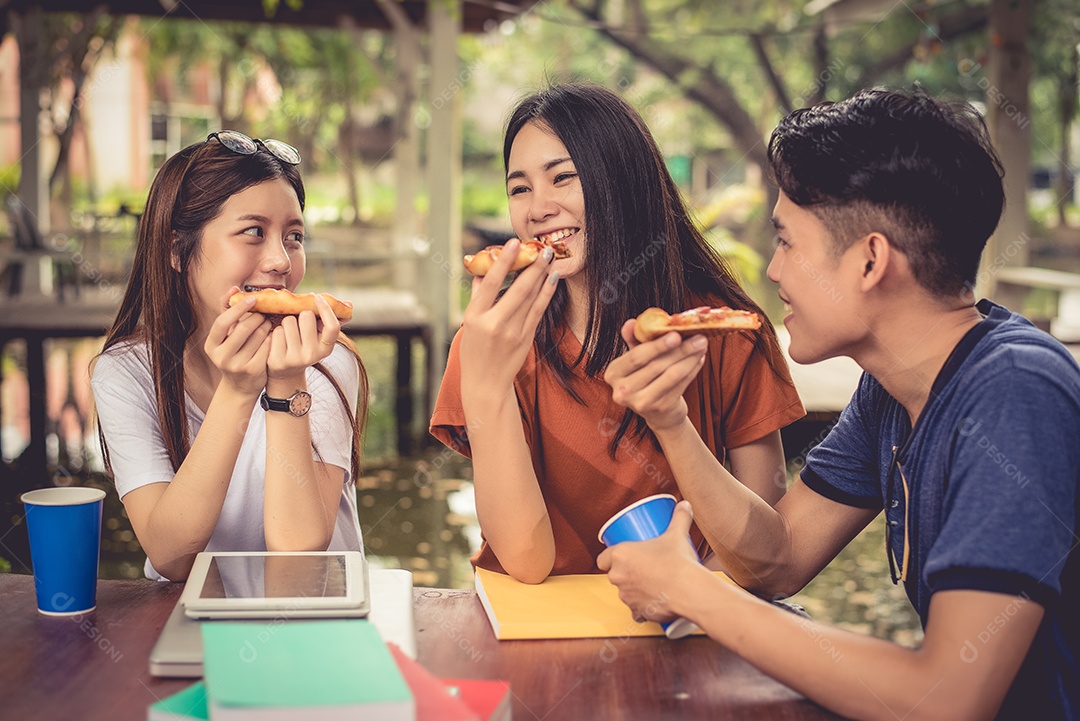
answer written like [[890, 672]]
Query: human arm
[[495, 338], [300, 494], [760, 466], [174, 520], [857, 676], [749, 539]]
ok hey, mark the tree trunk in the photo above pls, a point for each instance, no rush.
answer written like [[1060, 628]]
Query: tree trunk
[[1068, 99], [1009, 121], [81, 59], [704, 86], [822, 74], [783, 99], [348, 147]]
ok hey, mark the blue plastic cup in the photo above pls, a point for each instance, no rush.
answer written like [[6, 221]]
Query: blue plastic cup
[[65, 536], [640, 521]]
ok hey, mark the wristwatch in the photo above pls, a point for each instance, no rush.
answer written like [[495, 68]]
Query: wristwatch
[[298, 404]]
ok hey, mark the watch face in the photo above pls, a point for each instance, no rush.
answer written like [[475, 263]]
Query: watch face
[[300, 403]]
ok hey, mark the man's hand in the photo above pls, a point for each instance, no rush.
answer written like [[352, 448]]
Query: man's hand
[[648, 573], [650, 378]]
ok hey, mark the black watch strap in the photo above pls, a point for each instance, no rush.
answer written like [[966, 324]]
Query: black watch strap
[[296, 405], [274, 404]]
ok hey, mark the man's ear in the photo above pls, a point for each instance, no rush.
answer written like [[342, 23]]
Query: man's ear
[[877, 255]]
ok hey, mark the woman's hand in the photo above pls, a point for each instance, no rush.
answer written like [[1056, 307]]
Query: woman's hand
[[301, 341], [650, 378], [239, 345], [498, 332]]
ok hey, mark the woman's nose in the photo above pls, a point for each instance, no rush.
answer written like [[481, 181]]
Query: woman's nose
[[542, 206], [277, 259]]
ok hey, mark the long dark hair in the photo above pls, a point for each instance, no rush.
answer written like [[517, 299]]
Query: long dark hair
[[642, 248], [188, 192]]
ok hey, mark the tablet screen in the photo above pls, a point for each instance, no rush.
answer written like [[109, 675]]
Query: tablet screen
[[293, 576]]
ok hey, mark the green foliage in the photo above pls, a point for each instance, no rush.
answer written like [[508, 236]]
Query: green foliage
[[327, 202], [482, 197], [730, 213], [746, 261], [5, 565], [318, 72], [9, 180], [329, 78], [380, 434]]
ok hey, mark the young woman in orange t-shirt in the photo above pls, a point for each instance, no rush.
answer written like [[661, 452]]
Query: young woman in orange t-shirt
[[553, 455]]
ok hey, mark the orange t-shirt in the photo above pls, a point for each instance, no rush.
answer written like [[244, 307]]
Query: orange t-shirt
[[736, 399]]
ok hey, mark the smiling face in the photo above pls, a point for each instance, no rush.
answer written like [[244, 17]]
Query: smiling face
[[546, 199], [256, 241], [820, 290]]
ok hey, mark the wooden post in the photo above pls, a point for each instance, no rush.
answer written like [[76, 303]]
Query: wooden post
[[444, 181], [403, 402], [36, 267], [1008, 111], [33, 78], [406, 153]]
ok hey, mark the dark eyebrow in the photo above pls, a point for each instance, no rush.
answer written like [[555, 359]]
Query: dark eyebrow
[[546, 167], [777, 224], [266, 221]]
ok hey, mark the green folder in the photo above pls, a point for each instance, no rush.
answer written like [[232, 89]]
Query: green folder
[[187, 704], [332, 668]]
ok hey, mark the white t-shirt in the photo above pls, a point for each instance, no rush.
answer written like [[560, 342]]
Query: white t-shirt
[[127, 408]]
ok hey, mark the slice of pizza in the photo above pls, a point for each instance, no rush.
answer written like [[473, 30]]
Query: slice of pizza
[[528, 252], [655, 322]]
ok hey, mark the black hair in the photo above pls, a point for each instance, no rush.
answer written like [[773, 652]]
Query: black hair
[[922, 171], [642, 249]]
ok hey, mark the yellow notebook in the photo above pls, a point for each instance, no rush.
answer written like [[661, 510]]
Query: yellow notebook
[[579, 606]]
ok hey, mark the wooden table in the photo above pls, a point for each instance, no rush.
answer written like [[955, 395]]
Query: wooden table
[[96, 666]]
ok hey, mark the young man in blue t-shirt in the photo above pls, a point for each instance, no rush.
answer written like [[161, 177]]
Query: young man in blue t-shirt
[[964, 430]]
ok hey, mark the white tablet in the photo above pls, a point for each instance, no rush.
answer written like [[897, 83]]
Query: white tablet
[[277, 584]]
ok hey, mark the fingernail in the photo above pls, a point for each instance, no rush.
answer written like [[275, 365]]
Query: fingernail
[[699, 342], [548, 254], [553, 278], [250, 300], [672, 339]]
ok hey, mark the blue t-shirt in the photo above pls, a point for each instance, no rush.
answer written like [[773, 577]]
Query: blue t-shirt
[[991, 468]]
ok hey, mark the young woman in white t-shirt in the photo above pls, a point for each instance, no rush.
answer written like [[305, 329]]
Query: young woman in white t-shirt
[[203, 409]]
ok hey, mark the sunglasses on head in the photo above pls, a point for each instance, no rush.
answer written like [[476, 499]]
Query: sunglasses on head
[[242, 144]]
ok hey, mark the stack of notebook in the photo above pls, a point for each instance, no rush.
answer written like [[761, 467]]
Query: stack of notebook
[[338, 669]]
